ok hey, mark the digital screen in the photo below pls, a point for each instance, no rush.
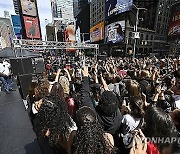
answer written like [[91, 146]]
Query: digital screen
[[16, 22], [174, 25], [29, 7], [97, 32], [70, 36], [114, 32], [32, 27], [114, 7]]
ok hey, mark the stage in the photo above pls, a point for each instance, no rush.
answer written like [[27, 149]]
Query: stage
[[17, 135]]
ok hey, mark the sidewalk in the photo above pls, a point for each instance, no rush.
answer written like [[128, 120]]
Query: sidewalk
[[17, 135]]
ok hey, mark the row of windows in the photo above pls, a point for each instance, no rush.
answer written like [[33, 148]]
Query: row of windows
[[162, 26], [139, 42], [164, 20], [161, 31]]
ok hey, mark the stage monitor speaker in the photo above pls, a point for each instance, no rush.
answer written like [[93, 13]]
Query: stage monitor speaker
[[24, 82], [102, 57], [39, 65], [21, 66]]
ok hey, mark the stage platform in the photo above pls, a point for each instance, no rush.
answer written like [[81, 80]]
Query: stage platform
[[16, 133]]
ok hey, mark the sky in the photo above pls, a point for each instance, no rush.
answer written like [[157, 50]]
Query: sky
[[44, 9]]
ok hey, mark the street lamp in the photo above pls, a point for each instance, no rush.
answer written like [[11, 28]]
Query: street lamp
[[136, 27]]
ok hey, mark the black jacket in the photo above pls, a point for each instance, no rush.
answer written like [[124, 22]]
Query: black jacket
[[111, 123]]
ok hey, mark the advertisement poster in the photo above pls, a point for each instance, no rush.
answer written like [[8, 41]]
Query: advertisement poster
[[114, 7], [97, 32], [16, 22], [70, 36], [114, 33], [29, 7], [32, 27], [174, 26]]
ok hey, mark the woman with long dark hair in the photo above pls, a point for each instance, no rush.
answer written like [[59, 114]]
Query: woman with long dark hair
[[90, 137], [56, 124]]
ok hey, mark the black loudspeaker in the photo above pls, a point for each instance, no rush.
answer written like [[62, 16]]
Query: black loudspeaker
[[102, 57], [24, 82], [21, 66], [39, 65]]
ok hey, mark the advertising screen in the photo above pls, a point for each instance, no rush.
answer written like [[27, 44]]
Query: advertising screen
[[114, 32], [29, 7], [32, 27], [114, 7], [97, 32], [16, 22], [174, 26], [70, 36]]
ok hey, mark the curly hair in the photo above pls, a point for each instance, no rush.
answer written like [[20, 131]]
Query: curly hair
[[54, 117], [90, 137], [108, 102]]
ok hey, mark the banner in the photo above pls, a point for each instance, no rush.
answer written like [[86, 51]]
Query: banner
[[78, 35], [29, 7], [174, 26], [70, 36], [114, 7], [16, 22], [32, 27], [97, 32], [114, 33]]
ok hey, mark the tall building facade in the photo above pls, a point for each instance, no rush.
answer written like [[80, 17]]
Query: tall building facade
[[157, 18], [56, 12], [82, 3], [75, 8], [6, 32], [16, 6], [66, 8], [97, 13]]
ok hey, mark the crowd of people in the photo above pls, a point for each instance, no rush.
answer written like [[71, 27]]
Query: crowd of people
[[117, 105]]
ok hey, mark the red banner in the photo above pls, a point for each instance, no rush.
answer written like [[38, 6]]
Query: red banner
[[70, 36], [32, 27]]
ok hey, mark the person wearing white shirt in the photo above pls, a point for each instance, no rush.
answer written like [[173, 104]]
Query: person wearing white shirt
[[5, 76]]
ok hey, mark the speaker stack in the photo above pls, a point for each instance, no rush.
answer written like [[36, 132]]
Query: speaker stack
[[23, 69]]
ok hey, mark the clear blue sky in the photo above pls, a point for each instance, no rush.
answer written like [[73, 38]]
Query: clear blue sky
[[44, 9]]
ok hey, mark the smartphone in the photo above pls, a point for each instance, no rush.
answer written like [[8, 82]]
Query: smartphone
[[78, 73], [127, 100]]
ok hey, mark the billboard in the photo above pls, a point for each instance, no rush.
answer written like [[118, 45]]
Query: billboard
[[70, 36], [114, 7], [174, 25], [97, 32], [29, 7], [114, 32], [32, 27], [16, 22]]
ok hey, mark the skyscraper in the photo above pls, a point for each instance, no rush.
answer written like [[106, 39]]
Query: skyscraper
[[66, 8], [16, 7], [97, 12], [6, 32], [56, 11]]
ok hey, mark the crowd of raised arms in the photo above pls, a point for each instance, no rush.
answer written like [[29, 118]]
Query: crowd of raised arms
[[115, 105]]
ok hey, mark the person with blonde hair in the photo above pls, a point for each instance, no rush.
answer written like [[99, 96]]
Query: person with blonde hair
[[65, 84]]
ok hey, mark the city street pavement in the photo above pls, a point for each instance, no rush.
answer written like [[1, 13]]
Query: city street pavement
[[16, 133]]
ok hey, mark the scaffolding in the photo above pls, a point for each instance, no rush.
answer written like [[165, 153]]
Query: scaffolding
[[43, 46]]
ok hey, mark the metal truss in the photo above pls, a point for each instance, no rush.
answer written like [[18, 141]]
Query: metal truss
[[46, 45]]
